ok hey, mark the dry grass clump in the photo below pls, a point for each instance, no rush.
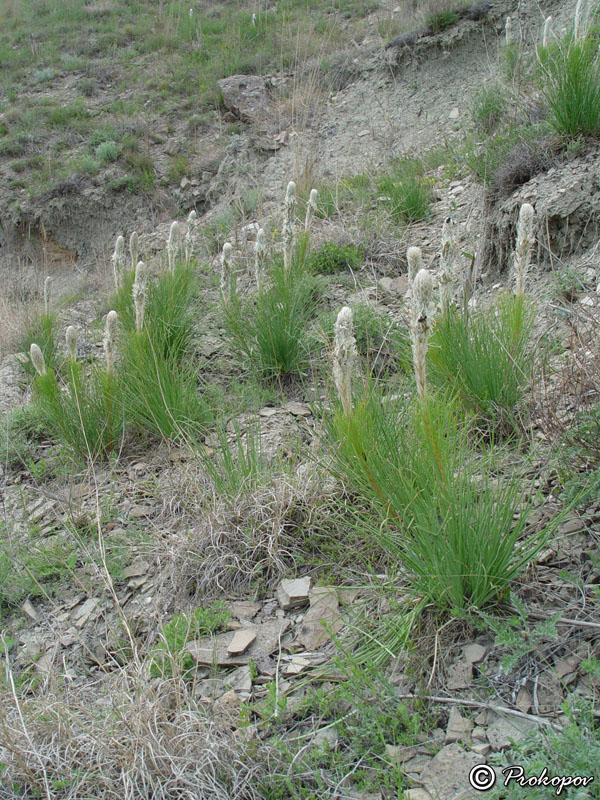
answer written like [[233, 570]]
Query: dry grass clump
[[253, 540], [140, 738]]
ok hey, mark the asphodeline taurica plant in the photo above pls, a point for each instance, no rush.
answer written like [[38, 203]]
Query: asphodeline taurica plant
[[524, 246], [139, 295], [449, 260], [173, 243], [311, 209], [47, 294], [288, 225], [71, 338], [344, 356], [118, 262], [110, 340], [226, 266], [260, 254], [37, 359], [421, 318], [134, 249], [414, 260], [190, 236]]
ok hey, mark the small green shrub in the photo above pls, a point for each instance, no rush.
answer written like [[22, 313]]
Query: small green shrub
[[107, 151], [446, 516], [486, 358], [84, 414], [331, 258], [269, 331], [488, 108], [439, 21], [570, 81], [406, 192]]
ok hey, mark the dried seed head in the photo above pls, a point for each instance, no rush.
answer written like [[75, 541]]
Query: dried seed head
[[524, 246], [47, 294], [71, 336], [110, 339], [288, 224], [173, 245], [508, 31], [118, 261], [344, 356], [139, 295], [134, 248], [422, 309], [37, 359], [311, 208]]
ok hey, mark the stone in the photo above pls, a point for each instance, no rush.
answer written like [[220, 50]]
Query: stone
[[447, 774], [28, 609], [209, 651], [324, 608], [454, 114], [460, 675], [139, 567], [473, 653], [246, 97], [298, 409], [244, 609], [82, 614], [416, 794], [397, 285], [239, 680], [328, 737], [459, 727], [241, 641], [505, 730], [293, 593]]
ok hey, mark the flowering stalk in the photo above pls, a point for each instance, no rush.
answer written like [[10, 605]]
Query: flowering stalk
[[448, 263], [173, 245], [139, 295], [37, 359], [47, 294], [414, 260], [226, 263], [71, 337], [288, 225], [134, 249], [260, 253], [525, 241], [344, 355], [190, 235], [547, 31], [118, 262], [311, 208], [582, 18], [422, 309], [110, 340], [508, 31]]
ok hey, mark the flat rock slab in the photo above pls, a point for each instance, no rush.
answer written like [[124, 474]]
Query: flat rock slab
[[242, 639], [503, 731], [215, 650], [323, 611], [293, 593], [447, 774]]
